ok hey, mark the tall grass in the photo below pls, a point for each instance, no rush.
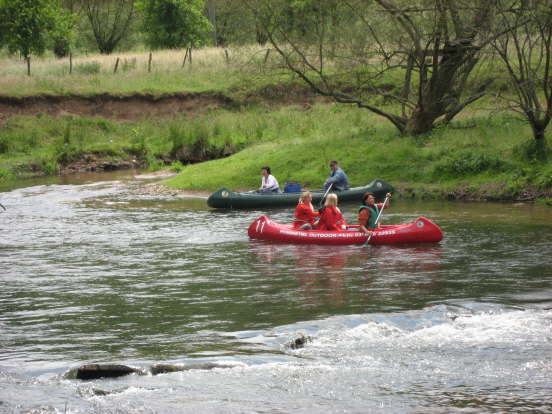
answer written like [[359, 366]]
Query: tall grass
[[211, 69]]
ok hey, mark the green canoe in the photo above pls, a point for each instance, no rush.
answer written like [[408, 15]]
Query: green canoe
[[225, 198]]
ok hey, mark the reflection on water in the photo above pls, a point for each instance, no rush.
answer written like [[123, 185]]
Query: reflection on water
[[101, 272], [323, 271]]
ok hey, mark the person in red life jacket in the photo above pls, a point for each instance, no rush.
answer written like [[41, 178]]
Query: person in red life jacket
[[368, 212], [304, 212], [330, 216]]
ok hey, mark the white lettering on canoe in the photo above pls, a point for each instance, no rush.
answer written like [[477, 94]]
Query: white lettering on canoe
[[384, 233], [341, 235]]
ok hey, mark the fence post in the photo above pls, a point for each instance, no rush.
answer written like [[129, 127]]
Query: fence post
[[185, 57], [70, 63], [227, 56], [116, 66], [149, 63]]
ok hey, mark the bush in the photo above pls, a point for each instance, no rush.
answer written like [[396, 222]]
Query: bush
[[532, 150], [5, 174], [466, 163], [4, 144], [89, 68]]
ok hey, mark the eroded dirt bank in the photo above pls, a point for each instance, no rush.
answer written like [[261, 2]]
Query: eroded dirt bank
[[141, 106], [119, 108]]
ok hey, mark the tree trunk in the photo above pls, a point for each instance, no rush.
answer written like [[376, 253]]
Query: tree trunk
[[538, 129], [28, 60], [421, 122]]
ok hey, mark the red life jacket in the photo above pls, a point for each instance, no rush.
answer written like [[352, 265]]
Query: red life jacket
[[304, 214], [330, 219]]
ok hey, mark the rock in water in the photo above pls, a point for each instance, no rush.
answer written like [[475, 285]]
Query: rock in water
[[95, 371]]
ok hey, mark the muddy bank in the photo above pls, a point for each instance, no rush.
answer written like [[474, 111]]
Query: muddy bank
[[140, 106], [91, 162]]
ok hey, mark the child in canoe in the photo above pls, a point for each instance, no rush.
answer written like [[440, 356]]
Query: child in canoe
[[330, 216], [305, 215]]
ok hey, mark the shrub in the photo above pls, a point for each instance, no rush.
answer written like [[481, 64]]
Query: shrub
[[532, 150], [5, 174], [88, 68], [466, 163]]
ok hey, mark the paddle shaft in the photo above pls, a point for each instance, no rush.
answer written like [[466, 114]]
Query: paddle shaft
[[324, 196], [377, 220]]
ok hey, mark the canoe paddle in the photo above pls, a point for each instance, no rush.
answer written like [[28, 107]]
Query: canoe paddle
[[324, 196], [377, 220]]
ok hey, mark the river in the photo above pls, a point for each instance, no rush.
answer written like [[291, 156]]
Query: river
[[94, 271]]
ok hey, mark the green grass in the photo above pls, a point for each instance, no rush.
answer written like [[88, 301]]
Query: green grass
[[483, 153], [92, 75], [488, 158], [297, 145]]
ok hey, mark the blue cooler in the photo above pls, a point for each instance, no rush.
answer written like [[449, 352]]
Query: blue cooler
[[292, 187]]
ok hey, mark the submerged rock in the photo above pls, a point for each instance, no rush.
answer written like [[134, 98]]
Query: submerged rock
[[168, 368], [299, 342], [95, 371], [98, 392]]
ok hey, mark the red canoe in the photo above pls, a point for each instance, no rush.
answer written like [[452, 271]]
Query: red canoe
[[420, 230]]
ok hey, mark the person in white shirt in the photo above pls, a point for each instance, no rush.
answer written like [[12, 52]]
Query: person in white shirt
[[269, 183]]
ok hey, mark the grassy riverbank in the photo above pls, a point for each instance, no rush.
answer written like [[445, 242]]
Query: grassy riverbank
[[487, 157], [482, 155]]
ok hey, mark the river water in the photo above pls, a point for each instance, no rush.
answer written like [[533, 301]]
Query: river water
[[92, 271]]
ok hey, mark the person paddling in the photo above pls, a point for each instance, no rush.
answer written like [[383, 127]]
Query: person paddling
[[368, 212], [337, 178], [304, 212]]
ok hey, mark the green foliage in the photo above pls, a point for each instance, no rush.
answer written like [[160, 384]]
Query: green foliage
[[110, 21], [465, 163], [5, 174], [176, 166], [88, 68], [62, 33], [25, 24], [532, 150], [174, 23], [296, 144]]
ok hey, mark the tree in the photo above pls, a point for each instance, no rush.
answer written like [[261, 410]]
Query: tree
[[415, 54], [62, 33], [26, 24], [174, 23], [526, 52], [235, 23], [110, 21]]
